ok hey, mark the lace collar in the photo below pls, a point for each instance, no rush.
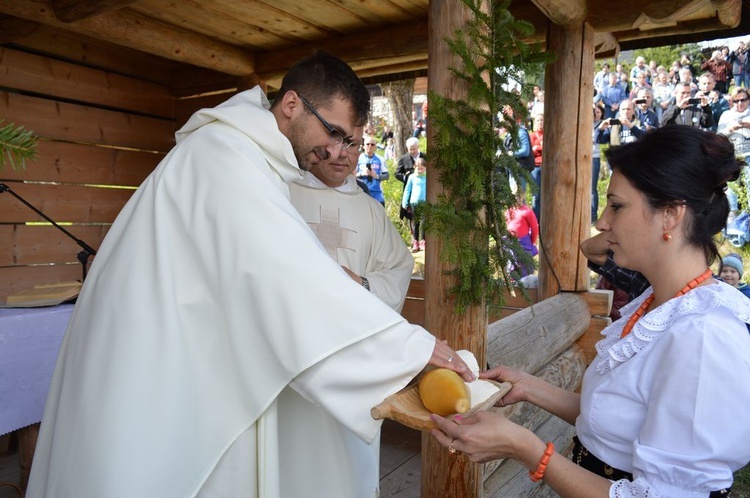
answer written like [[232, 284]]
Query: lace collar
[[612, 350]]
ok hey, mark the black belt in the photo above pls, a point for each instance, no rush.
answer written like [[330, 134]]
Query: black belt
[[584, 458]]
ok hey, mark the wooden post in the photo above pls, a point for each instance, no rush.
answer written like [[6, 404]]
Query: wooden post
[[26, 444], [443, 474], [566, 159]]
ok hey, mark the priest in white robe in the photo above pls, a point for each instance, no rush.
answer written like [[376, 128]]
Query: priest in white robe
[[355, 231], [212, 318]]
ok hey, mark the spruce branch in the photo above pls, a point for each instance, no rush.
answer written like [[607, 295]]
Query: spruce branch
[[16, 146], [469, 216]]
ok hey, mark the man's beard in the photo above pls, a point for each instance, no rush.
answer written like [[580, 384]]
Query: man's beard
[[306, 158]]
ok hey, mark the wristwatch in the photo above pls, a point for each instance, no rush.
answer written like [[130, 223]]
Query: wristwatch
[[365, 283]]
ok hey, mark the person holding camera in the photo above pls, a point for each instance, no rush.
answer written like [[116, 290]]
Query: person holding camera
[[735, 125], [624, 129], [738, 59], [644, 112], [687, 110], [718, 67], [371, 169]]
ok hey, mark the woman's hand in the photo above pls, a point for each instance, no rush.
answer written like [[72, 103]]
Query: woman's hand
[[560, 402], [444, 356], [519, 379], [484, 437]]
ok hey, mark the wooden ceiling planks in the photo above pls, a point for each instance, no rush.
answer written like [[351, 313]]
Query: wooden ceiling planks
[[245, 27], [328, 15], [128, 28], [75, 10]]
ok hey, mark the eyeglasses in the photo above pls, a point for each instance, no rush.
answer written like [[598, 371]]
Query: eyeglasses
[[739, 101], [337, 138]]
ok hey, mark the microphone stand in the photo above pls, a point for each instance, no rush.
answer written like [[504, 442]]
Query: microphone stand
[[87, 251]]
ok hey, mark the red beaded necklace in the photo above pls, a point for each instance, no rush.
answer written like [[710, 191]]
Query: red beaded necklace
[[645, 304]]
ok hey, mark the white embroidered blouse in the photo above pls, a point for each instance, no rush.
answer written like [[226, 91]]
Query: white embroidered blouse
[[669, 402]]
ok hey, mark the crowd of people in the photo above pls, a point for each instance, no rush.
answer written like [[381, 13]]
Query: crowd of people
[[711, 95]]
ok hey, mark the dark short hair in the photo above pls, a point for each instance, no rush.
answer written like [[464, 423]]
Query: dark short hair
[[321, 77], [678, 164]]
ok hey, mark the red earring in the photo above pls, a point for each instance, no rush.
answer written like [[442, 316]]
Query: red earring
[[666, 235]]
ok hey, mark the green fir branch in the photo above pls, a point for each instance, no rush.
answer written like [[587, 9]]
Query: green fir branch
[[17, 145], [469, 215]]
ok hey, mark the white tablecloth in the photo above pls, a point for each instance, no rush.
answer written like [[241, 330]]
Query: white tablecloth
[[29, 341]]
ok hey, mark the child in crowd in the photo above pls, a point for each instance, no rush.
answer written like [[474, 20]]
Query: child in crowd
[[415, 192], [522, 224], [731, 272], [390, 149]]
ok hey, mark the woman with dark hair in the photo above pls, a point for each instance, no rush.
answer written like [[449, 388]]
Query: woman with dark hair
[[657, 412]]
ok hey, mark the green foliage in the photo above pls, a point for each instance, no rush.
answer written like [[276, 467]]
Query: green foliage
[[741, 486], [16, 146], [469, 214]]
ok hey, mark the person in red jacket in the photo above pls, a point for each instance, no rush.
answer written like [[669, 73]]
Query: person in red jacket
[[522, 224]]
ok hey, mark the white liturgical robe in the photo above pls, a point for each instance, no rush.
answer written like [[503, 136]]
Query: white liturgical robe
[[356, 232], [211, 318]]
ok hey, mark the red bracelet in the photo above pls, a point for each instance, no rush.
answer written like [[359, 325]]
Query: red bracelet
[[537, 475]]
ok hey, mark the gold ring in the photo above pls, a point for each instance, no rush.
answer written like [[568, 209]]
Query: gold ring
[[451, 448]]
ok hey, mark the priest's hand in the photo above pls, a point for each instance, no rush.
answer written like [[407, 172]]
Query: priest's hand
[[445, 357]]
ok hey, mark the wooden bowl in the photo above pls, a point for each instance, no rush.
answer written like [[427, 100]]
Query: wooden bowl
[[406, 406]]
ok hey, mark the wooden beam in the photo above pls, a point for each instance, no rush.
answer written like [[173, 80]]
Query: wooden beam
[[444, 474], [563, 12], [13, 28], [729, 12], [142, 33], [527, 339], [605, 43], [361, 50], [75, 10], [566, 161], [592, 335], [688, 27], [722, 13], [599, 301]]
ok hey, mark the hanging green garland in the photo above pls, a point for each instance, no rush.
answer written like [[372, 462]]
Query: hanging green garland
[[469, 215]]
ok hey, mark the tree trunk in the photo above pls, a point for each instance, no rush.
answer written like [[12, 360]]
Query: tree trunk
[[400, 96]]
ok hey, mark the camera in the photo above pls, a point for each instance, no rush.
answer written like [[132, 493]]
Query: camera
[[614, 121], [694, 101], [369, 166], [639, 101]]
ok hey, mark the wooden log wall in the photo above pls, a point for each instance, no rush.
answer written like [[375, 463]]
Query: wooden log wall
[[100, 133]]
